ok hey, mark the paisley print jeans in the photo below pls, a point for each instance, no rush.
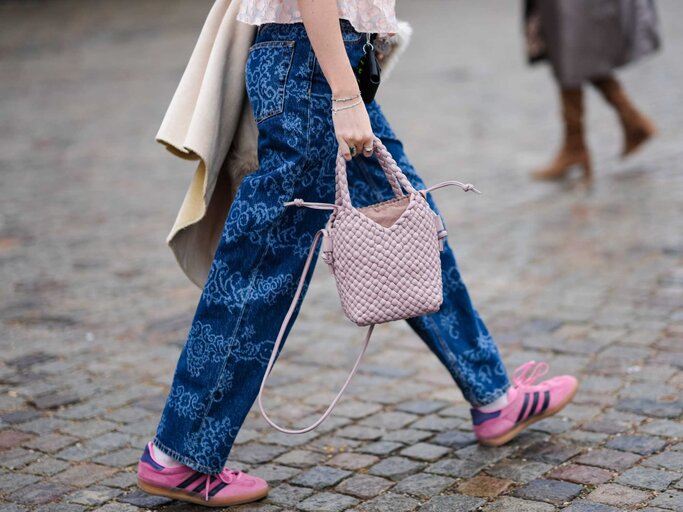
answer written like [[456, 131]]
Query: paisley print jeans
[[261, 254]]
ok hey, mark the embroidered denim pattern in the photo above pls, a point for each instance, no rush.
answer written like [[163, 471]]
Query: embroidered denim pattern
[[262, 251]]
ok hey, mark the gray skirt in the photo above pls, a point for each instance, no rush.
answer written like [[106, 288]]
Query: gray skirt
[[588, 39]]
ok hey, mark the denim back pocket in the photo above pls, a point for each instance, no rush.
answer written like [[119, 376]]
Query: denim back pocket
[[266, 76]]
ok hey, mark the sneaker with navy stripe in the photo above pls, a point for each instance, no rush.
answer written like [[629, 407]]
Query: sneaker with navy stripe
[[185, 484], [527, 404]]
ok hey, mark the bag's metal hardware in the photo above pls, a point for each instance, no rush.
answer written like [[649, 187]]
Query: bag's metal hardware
[[368, 46], [327, 248], [441, 232]]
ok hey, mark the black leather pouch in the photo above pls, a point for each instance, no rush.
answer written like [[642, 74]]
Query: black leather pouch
[[368, 72]]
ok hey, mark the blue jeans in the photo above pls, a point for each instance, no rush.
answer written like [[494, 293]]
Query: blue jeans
[[261, 254]]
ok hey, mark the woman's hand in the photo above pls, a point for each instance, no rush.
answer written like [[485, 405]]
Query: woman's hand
[[351, 125], [352, 129]]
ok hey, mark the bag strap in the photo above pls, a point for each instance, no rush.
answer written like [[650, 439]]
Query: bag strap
[[278, 343]]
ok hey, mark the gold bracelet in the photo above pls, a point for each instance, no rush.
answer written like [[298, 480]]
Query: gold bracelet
[[349, 98], [335, 110]]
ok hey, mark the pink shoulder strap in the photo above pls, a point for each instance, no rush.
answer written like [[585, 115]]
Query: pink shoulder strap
[[278, 343]]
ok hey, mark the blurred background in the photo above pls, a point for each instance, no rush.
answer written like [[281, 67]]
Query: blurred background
[[94, 310]]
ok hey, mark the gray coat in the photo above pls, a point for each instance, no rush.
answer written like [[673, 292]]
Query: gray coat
[[588, 39]]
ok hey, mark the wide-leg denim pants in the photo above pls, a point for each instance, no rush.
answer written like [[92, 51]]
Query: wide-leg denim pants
[[264, 244]]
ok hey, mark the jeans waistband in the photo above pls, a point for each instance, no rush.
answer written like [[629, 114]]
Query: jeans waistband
[[297, 31]]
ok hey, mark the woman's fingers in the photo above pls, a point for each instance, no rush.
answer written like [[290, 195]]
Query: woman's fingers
[[357, 147], [344, 148], [368, 146], [353, 146]]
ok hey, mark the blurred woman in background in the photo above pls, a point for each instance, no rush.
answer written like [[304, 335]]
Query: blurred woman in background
[[585, 41]]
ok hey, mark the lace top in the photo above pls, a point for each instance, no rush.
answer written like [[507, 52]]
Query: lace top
[[374, 16]]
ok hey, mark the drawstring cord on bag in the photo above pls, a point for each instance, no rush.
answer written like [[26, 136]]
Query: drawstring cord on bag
[[315, 206], [465, 186], [440, 228]]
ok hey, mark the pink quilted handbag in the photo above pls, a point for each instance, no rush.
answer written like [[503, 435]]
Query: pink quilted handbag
[[384, 258]]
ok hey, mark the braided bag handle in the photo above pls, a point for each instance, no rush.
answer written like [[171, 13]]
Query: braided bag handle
[[391, 170]]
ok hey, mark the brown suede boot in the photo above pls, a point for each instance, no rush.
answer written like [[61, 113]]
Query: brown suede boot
[[573, 151], [637, 127]]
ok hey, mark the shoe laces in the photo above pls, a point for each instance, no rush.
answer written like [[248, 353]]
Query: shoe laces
[[227, 476], [527, 373]]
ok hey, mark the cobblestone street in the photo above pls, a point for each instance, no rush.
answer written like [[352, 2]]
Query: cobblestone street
[[94, 309]]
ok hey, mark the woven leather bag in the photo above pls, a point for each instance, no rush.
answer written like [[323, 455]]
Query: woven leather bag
[[385, 259]]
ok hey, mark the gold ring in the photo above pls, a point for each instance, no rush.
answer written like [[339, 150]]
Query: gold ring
[[368, 150]]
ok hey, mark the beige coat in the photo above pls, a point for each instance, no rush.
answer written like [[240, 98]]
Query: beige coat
[[210, 120]]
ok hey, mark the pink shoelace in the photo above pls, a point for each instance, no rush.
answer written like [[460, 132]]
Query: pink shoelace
[[226, 476], [528, 373]]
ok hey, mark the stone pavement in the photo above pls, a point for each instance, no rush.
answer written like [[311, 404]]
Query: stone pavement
[[94, 310]]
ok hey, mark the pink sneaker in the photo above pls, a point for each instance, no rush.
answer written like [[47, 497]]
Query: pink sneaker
[[185, 484], [528, 403]]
